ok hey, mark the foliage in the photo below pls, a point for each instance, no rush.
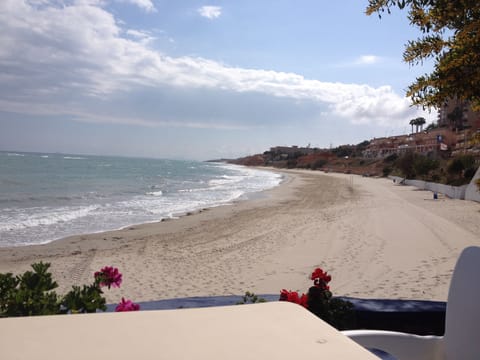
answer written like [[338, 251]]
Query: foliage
[[251, 298], [419, 121], [412, 165], [478, 184], [28, 294], [318, 164], [291, 163], [423, 165], [337, 312], [344, 150], [363, 144], [456, 118], [86, 299], [405, 164], [462, 168], [386, 171], [451, 38], [469, 173], [391, 158], [33, 293], [431, 126], [455, 166]]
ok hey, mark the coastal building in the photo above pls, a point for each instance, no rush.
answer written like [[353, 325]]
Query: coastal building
[[433, 141], [465, 123], [287, 152], [458, 115]]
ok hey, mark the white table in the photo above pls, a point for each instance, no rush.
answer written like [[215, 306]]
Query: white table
[[276, 330]]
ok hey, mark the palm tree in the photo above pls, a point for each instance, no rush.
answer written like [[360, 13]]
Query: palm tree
[[420, 122], [413, 122]]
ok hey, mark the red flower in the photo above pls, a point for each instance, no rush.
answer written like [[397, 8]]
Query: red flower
[[304, 301], [292, 296], [108, 276], [127, 305], [284, 295], [321, 279]]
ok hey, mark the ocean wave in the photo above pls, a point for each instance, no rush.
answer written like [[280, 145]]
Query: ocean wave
[[123, 195], [226, 179], [34, 217]]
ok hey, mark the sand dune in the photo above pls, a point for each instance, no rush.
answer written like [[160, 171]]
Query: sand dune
[[377, 239]]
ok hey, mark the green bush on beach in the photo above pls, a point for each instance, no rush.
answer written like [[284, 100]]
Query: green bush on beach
[[32, 293]]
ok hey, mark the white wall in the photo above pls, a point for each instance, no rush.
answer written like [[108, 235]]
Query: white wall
[[464, 192]]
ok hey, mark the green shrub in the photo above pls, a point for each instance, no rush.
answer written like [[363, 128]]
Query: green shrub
[[29, 294], [469, 173], [251, 298], [318, 164], [391, 158], [33, 293], [455, 166], [386, 171]]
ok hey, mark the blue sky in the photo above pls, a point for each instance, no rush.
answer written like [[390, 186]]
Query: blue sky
[[200, 80]]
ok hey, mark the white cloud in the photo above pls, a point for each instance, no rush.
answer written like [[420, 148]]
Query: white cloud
[[363, 60], [143, 36], [56, 56], [368, 60], [210, 12], [146, 5]]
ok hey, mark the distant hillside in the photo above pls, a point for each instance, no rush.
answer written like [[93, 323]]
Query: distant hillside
[[431, 165]]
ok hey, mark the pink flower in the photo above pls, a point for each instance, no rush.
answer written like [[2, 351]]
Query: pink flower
[[108, 276], [127, 305]]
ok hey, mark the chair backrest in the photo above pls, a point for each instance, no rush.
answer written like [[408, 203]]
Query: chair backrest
[[462, 327]]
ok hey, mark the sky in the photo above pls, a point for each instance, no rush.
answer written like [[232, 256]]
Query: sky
[[191, 79]]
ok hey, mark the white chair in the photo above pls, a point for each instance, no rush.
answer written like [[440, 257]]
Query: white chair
[[461, 340]]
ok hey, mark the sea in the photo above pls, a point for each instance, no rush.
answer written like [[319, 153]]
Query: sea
[[45, 197]]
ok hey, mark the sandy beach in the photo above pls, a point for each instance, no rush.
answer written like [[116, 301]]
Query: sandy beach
[[377, 239]]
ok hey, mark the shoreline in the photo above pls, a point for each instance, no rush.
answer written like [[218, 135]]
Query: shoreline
[[376, 239], [112, 194]]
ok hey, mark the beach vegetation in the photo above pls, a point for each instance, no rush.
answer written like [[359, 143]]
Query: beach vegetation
[[456, 171], [391, 158], [405, 165], [251, 298], [387, 170], [413, 165], [431, 126], [318, 164], [461, 169], [423, 165], [450, 37], [319, 300], [291, 163], [456, 118], [33, 293], [85, 299]]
